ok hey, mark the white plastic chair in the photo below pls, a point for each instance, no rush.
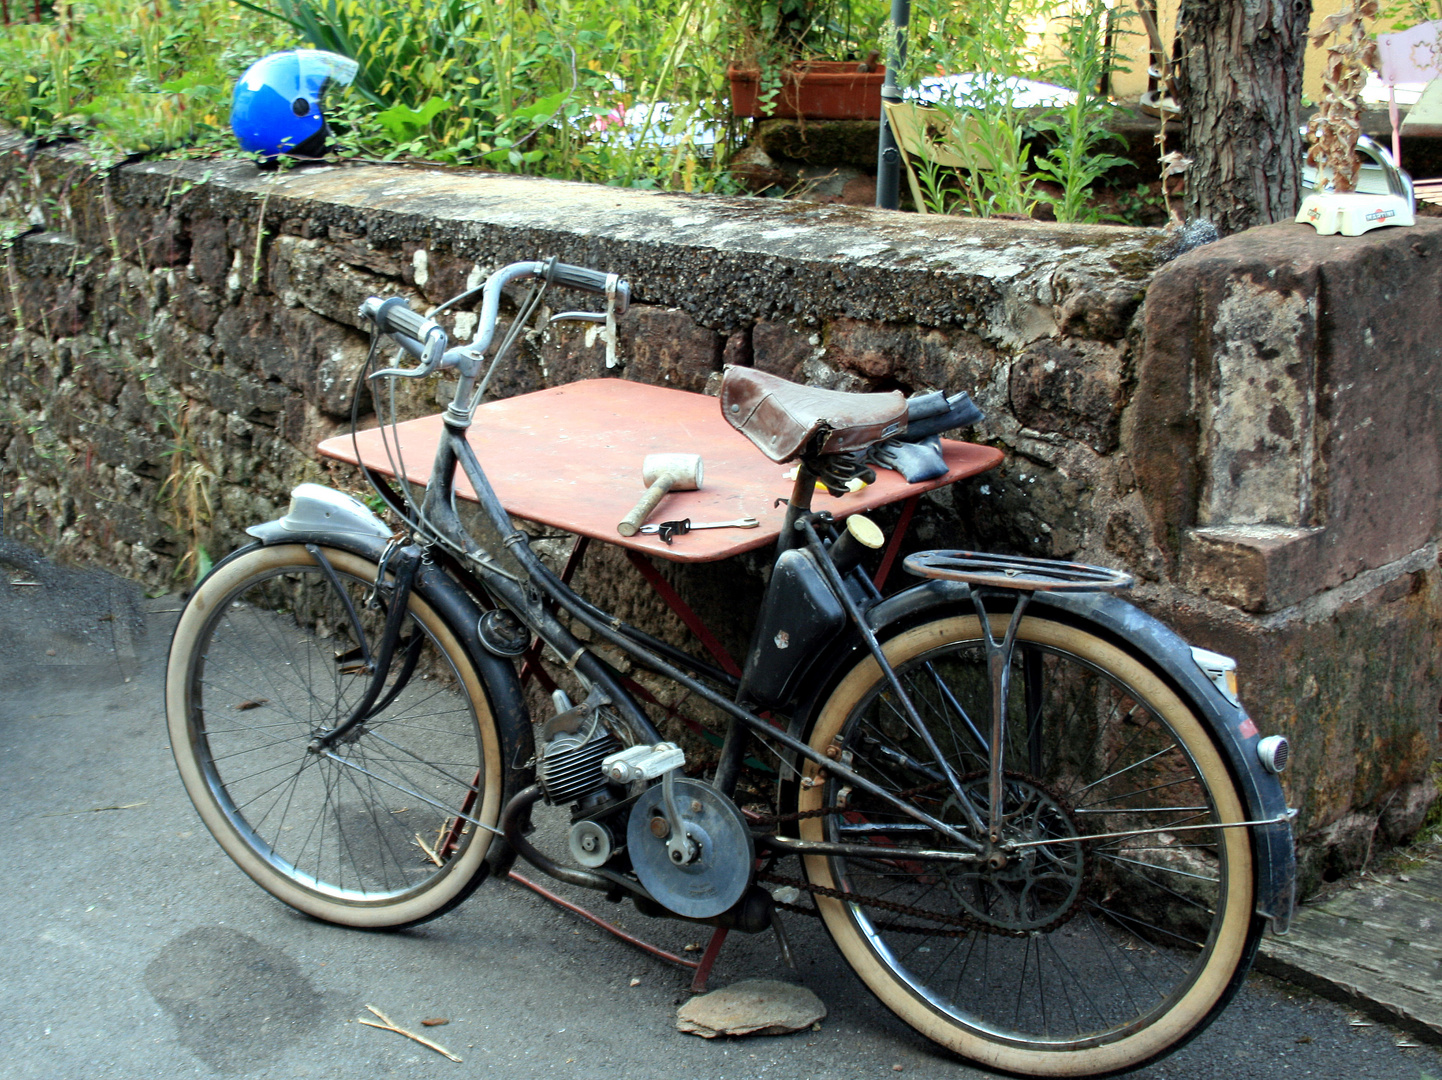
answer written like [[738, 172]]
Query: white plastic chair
[[1408, 56]]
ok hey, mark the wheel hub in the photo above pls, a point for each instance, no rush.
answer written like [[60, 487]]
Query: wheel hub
[[1023, 889]]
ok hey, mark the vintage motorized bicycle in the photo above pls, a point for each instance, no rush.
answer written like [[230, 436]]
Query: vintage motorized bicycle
[[1038, 825]]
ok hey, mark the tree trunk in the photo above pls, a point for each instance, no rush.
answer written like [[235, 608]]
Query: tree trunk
[[1240, 92]]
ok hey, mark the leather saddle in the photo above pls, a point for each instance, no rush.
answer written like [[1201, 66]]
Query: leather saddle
[[781, 417]]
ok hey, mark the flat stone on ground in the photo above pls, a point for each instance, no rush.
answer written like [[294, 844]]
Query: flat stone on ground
[[752, 1007]]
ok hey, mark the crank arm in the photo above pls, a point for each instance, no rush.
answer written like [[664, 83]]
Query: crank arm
[[788, 846]]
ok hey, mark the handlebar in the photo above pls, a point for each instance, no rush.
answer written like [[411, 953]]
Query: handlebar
[[592, 281], [423, 338], [426, 340]]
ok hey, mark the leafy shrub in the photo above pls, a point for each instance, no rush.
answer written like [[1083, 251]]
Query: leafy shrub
[[541, 87]]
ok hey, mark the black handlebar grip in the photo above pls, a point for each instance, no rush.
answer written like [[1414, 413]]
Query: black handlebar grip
[[395, 316], [587, 280]]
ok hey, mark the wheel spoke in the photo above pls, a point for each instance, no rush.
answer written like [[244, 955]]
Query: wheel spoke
[[1089, 929], [331, 833]]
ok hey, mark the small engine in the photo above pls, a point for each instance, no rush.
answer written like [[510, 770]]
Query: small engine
[[575, 744]]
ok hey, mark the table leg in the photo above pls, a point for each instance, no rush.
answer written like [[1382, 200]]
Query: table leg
[[898, 534], [708, 960], [683, 611]]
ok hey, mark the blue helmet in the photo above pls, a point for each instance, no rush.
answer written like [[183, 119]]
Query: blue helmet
[[276, 108]]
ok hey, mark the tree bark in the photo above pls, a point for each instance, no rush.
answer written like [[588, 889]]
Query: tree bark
[[1240, 91]]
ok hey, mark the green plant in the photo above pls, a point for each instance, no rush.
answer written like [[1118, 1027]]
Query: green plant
[[131, 76], [772, 33], [982, 120], [986, 120], [542, 87], [1139, 207], [1079, 130], [1405, 14], [939, 191]]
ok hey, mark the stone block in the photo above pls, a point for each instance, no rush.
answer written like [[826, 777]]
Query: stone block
[[781, 349], [1100, 309], [909, 357], [210, 251], [821, 142], [1070, 387], [293, 346], [665, 348], [566, 352], [301, 272], [1284, 383], [1351, 680], [1024, 507], [47, 254], [1257, 568], [196, 304]]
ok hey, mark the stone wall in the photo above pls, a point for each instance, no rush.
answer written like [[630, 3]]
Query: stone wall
[[1252, 428]]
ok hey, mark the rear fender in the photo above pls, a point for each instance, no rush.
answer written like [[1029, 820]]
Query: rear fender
[[1129, 626]]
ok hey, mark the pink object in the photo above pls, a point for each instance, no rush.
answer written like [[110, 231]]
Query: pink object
[[1408, 56]]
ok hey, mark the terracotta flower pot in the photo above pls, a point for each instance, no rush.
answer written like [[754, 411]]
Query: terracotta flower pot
[[815, 90]]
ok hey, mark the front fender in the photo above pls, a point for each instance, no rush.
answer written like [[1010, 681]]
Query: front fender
[[1129, 626], [461, 613]]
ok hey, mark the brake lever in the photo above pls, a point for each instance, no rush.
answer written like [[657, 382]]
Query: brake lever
[[433, 350], [579, 316]]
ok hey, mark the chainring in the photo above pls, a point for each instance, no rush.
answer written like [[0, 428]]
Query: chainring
[[1035, 891]]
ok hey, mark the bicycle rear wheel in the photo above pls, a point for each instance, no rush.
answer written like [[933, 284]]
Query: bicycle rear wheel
[[1102, 948], [382, 830]]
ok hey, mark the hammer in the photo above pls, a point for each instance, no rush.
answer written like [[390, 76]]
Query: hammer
[[662, 472]]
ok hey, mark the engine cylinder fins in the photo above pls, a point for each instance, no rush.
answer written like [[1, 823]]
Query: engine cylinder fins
[[571, 769]]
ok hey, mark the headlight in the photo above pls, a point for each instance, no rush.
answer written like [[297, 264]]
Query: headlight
[[1222, 670]]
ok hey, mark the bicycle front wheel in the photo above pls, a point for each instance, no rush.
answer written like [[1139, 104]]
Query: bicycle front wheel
[[1119, 920], [389, 826]]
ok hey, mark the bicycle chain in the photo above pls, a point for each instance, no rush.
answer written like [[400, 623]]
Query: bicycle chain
[[966, 924]]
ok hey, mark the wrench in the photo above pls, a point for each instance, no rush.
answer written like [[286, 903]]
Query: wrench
[[667, 529]]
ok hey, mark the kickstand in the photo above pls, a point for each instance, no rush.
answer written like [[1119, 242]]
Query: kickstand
[[781, 939]]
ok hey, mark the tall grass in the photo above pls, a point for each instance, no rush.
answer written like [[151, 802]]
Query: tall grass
[[986, 120], [132, 76], [543, 86]]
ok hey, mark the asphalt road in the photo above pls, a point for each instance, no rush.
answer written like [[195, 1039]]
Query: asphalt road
[[132, 947]]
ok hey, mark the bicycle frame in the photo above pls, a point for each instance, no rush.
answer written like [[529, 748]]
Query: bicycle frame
[[512, 574], [499, 568], [1116, 839]]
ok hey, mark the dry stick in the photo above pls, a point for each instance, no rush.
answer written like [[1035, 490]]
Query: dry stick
[[429, 853], [390, 1026], [259, 240], [1173, 164]]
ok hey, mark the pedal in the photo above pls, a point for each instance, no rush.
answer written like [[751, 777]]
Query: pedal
[[643, 762]]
